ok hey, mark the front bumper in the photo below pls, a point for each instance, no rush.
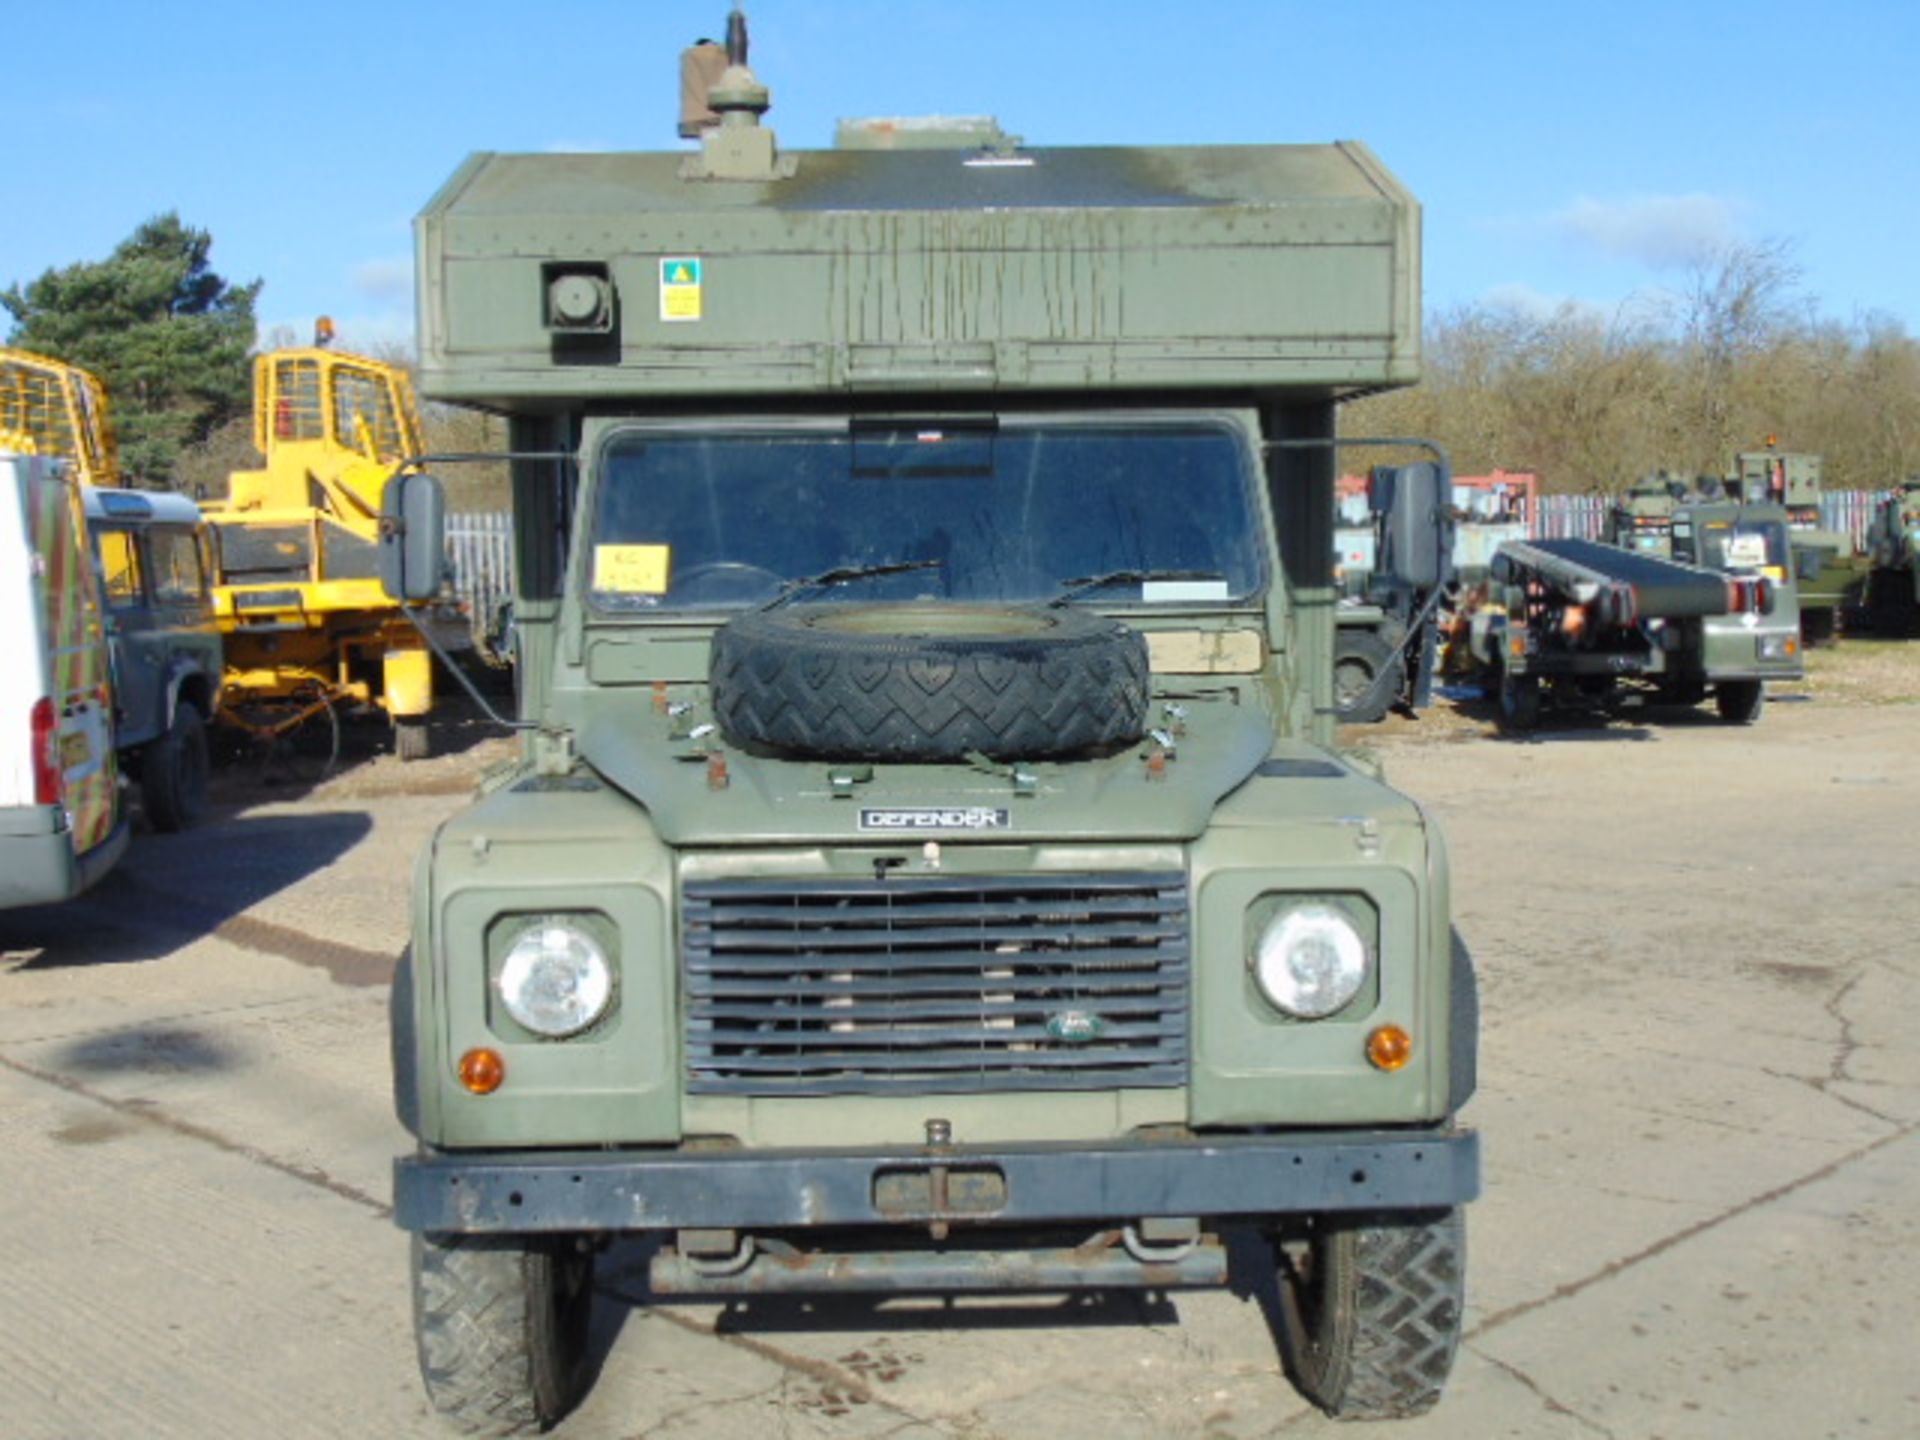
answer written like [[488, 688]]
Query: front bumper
[[600, 1190]]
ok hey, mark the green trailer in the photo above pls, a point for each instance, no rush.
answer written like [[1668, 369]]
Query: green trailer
[[925, 868]]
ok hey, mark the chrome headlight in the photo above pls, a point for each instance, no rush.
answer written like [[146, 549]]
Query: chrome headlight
[[1310, 961], [556, 980], [1775, 647]]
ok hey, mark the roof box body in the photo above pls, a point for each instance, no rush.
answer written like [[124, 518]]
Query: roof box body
[[548, 281]]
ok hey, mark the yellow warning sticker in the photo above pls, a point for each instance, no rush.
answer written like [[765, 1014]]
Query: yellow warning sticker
[[680, 288], [632, 569]]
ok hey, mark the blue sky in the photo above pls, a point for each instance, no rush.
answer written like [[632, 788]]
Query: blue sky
[[1584, 153]]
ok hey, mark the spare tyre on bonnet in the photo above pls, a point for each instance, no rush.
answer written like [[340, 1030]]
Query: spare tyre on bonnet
[[929, 681]]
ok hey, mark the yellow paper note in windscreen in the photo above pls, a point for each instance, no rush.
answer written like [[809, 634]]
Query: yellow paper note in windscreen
[[632, 569]]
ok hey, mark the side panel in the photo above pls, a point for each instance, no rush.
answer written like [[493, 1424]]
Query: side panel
[[70, 638]]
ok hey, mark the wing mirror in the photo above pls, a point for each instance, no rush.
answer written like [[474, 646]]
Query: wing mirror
[[413, 537]]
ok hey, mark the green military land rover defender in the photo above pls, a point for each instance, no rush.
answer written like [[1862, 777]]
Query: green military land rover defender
[[925, 870]]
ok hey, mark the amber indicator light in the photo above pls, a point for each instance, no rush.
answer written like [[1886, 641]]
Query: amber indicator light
[[482, 1071], [1389, 1048]]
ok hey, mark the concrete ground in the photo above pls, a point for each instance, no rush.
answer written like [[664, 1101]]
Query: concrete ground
[[1700, 1101]]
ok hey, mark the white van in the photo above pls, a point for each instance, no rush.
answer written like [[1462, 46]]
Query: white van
[[62, 822]]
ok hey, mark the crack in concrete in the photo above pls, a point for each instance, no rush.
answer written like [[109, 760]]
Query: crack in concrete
[[709, 1405], [1679, 1237], [152, 1114], [822, 1372], [1840, 1063], [1553, 1405]]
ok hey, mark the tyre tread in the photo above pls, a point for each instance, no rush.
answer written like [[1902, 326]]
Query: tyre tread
[[474, 1329], [1385, 1346], [840, 696]]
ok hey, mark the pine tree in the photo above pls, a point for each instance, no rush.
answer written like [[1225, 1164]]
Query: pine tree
[[166, 335]]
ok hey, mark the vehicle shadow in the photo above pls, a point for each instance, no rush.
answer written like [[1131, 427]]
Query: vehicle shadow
[[1556, 726], [172, 890]]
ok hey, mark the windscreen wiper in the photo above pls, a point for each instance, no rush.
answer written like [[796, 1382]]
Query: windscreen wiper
[[845, 574], [1127, 577]]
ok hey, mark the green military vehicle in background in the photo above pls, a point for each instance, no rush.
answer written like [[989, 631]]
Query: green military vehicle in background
[[1689, 597], [1640, 518], [1893, 545], [1828, 569], [925, 869], [1738, 654]]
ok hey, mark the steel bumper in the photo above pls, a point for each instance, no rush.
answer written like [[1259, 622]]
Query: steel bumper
[[605, 1190]]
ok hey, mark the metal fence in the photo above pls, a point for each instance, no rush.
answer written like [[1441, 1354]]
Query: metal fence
[[1584, 517], [1569, 517], [1850, 512], [480, 553]]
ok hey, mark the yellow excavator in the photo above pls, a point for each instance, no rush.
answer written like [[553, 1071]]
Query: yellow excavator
[[309, 631], [48, 407]]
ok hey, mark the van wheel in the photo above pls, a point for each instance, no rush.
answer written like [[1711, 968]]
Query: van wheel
[[1739, 701], [1370, 1310], [173, 772], [501, 1325], [411, 740]]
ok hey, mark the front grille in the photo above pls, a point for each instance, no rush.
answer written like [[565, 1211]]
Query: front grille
[[936, 984]]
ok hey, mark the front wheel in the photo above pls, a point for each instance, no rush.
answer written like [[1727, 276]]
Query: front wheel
[[1519, 700], [1360, 696], [1370, 1310], [1739, 701], [501, 1326], [411, 740], [173, 772]]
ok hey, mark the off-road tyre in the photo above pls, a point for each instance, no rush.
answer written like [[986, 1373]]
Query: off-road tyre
[[501, 1325], [1739, 701], [411, 739], [173, 772], [929, 682], [1370, 1311], [1360, 697]]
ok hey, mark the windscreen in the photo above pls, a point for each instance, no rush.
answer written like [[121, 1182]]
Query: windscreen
[[1017, 512], [250, 554], [1743, 544]]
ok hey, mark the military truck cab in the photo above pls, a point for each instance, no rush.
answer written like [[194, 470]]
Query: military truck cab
[[1388, 623], [1738, 654], [926, 870]]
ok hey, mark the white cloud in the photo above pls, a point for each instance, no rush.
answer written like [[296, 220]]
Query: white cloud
[[1663, 231], [383, 281]]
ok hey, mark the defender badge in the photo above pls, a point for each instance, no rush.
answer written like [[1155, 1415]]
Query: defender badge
[[936, 817]]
